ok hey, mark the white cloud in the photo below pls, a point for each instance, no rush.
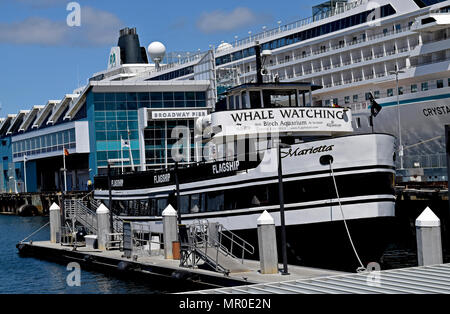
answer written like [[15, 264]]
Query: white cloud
[[219, 21], [98, 28], [33, 30]]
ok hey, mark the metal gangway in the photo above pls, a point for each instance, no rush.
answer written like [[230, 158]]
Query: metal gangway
[[139, 240], [80, 215], [214, 245]]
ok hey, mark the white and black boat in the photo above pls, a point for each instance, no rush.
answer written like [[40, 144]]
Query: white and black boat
[[234, 187]]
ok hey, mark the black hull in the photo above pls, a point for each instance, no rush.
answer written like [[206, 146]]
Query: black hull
[[327, 246]]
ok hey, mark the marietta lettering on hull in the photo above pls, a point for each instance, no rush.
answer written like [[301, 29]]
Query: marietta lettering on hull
[[306, 151], [308, 120]]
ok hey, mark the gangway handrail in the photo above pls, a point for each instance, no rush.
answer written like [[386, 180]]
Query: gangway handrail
[[202, 241]]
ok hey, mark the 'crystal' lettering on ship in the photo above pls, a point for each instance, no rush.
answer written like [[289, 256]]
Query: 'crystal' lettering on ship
[[225, 167], [436, 111], [301, 152], [163, 178]]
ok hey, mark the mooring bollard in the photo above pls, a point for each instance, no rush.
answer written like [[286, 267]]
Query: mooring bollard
[[267, 242], [103, 227], [55, 223], [429, 242], [170, 230]]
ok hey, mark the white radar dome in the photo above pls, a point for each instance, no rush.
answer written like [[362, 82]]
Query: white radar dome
[[224, 46], [157, 51]]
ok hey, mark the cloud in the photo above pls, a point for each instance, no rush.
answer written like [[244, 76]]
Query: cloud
[[98, 28], [220, 21]]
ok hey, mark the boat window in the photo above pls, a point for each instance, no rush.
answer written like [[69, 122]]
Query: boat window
[[236, 102], [184, 204], [196, 204], [280, 98], [245, 105], [231, 103], [162, 204], [255, 99], [215, 201]]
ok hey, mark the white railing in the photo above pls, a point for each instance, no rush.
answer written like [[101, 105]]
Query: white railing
[[296, 25]]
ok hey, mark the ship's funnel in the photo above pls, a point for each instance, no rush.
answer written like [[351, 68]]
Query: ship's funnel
[[130, 48]]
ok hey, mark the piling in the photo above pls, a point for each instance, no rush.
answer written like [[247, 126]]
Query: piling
[[213, 233], [429, 242], [103, 227], [170, 229], [267, 242], [55, 223]]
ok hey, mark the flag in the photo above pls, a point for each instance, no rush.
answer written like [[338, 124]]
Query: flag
[[66, 152], [375, 108], [124, 143]]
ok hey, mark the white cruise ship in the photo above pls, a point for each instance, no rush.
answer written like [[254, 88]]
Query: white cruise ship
[[353, 48]]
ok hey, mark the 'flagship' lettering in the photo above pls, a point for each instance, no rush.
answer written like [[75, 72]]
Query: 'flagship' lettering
[[163, 178], [225, 167]]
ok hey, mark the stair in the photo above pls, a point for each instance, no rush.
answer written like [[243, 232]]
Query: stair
[[227, 263], [216, 246]]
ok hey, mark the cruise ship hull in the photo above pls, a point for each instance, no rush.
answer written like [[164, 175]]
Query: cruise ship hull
[[422, 124]]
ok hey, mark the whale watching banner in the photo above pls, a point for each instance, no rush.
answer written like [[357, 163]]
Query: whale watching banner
[[307, 120]]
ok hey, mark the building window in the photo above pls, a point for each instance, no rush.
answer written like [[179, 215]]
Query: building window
[[440, 83], [424, 86], [414, 88], [347, 99], [376, 94], [367, 96], [355, 98], [390, 92], [335, 102], [327, 103], [400, 90]]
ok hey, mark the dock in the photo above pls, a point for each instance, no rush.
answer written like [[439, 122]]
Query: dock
[[417, 280], [157, 266]]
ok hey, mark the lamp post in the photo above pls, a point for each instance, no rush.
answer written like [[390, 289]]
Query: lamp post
[[282, 216], [25, 172], [396, 72]]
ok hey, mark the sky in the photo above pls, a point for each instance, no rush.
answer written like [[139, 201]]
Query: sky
[[42, 58]]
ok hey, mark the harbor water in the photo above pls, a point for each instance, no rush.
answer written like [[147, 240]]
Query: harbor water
[[20, 275]]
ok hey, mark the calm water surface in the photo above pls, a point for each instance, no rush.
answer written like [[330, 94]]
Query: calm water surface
[[30, 275]]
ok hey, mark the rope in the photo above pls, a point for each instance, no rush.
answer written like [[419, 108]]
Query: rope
[[35, 232], [362, 268]]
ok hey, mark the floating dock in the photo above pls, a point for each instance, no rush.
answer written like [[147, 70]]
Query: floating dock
[[158, 266], [417, 280]]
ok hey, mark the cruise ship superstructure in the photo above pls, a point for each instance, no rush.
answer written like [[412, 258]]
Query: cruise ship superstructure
[[353, 48]]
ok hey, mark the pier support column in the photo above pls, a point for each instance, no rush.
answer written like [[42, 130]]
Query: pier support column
[[429, 242], [267, 243], [55, 223], [103, 227], [170, 229]]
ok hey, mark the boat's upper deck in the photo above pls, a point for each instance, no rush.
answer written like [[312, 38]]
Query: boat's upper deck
[[267, 95]]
